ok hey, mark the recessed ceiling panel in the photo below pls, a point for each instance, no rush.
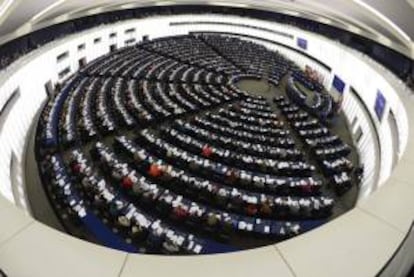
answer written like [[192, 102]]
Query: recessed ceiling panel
[[400, 12], [23, 12], [370, 18]]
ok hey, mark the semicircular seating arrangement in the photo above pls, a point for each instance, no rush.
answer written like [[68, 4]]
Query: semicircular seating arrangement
[[154, 149], [313, 101], [301, 78]]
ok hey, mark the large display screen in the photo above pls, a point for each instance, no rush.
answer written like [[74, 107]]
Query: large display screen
[[380, 103], [302, 43], [338, 84]]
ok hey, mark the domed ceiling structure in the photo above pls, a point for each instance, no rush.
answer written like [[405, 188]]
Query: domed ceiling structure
[[388, 22]]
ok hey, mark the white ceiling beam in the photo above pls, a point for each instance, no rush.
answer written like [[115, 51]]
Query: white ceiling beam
[[46, 10], [385, 19]]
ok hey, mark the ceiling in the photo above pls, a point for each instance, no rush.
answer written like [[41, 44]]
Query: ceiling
[[389, 22]]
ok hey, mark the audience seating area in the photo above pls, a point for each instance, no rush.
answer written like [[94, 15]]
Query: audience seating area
[[154, 149], [316, 102], [330, 151]]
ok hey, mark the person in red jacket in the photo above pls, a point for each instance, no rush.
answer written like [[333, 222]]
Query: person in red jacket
[[76, 168], [206, 151], [307, 188], [127, 182], [155, 171], [179, 213]]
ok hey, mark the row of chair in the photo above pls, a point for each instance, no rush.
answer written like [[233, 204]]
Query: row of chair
[[330, 151], [166, 155]]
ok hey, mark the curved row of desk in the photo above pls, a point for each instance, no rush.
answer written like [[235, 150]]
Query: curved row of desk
[[359, 243]]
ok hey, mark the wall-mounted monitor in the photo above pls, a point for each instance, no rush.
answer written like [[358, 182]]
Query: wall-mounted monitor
[[62, 56], [358, 134], [130, 41], [302, 43], [81, 47], [62, 74], [380, 103], [338, 84], [128, 31]]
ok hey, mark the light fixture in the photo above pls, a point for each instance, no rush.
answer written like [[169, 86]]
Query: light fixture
[[5, 6], [290, 12], [128, 6], [47, 9], [227, 4], [164, 3], [383, 18]]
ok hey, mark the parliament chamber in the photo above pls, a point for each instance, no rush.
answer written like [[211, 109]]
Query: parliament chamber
[[200, 140]]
